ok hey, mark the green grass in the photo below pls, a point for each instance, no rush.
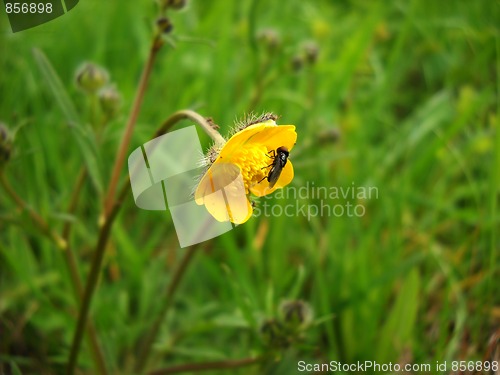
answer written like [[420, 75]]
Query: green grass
[[411, 88]]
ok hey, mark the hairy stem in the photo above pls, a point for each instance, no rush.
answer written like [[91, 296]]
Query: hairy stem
[[127, 135], [187, 114]]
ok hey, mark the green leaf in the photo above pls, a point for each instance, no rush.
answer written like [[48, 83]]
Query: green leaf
[[82, 134], [396, 334]]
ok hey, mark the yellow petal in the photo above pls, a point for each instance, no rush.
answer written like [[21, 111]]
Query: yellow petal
[[239, 212], [286, 176], [222, 191], [270, 135]]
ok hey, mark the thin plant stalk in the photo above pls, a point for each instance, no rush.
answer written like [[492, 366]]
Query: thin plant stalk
[[110, 207], [208, 366], [187, 114], [147, 345], [40, 223], [72, 265], [62, 244], [129, 129], [106, 231], [91, 284]]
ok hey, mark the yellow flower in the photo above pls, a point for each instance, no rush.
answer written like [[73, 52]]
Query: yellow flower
[[242, 168]]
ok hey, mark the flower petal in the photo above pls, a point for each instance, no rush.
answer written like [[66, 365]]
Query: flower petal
[[268, 134], [239, 212], [222, 191]]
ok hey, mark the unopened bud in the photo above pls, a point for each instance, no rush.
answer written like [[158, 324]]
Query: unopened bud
[[164, 25], [270, 39], [110, 100], [91, 77], [311, 52], [296, 314]]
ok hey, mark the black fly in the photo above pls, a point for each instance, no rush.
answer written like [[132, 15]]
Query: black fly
[[280, 156]]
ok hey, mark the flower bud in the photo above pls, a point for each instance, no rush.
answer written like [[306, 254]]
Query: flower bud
[[174, 4], [296, 314], [311, 52], [270, 39], [5, 145], [164, 25], [110, 100], [91, 77]]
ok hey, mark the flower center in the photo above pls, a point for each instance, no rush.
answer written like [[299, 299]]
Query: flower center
[[252, 160]]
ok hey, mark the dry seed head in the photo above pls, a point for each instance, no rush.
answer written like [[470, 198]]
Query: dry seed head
[[91, 77]]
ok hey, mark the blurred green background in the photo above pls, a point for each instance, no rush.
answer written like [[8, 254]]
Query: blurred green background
[[397, 95]]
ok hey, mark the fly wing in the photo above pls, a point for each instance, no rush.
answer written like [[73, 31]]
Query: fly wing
[[274, 173]]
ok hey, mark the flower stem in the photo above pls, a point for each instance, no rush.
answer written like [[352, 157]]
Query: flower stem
[[111, 207], [35, 217], [82, 175], [72, 265], [127, 135], [207, 366], [179, 272], [62, 243], [194, 116], [155, 328], [106, 230], [91, 284]]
